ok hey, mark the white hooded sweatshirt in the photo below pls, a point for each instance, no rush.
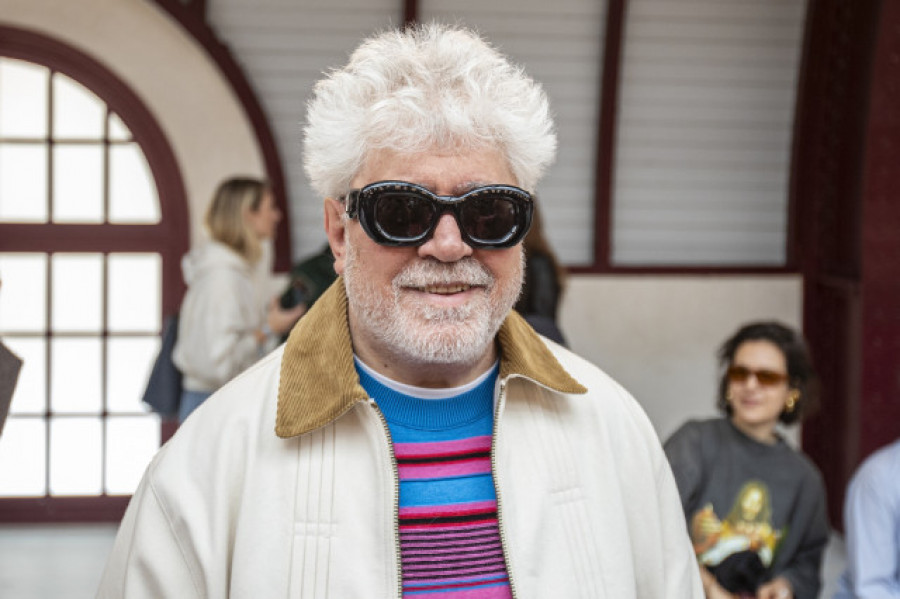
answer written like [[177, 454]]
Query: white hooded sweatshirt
[[220, 312]]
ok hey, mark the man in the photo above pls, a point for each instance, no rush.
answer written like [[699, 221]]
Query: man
[[872, 527], [426, 441]]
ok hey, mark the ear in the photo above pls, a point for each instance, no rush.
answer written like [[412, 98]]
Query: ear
[[335, 230]]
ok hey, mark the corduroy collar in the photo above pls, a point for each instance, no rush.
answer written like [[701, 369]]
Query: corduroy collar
[[319, 382]]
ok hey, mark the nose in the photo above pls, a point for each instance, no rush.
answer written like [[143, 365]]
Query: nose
[[446, 244], [752, 381]]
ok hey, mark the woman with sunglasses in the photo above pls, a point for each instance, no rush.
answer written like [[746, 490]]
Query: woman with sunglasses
[[755, 507]]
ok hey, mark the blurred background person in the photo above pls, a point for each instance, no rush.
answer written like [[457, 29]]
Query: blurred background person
[[755, 507], [227, 319], [308, 280], [10, 365], [872, 528], [544, 282]]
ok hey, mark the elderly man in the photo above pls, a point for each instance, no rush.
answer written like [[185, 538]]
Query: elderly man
[[414, 437]]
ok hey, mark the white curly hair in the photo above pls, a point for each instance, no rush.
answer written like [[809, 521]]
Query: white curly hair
[[423, 88]]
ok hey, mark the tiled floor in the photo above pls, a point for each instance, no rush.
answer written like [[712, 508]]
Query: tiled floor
[[52, 562]]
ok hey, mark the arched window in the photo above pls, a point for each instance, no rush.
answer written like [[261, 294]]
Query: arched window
[[93, 223]]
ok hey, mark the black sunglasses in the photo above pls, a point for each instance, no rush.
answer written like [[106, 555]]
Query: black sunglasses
[[397, 213]]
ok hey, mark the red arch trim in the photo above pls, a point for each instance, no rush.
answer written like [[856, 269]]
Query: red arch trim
[[192, 18], [59, 56]]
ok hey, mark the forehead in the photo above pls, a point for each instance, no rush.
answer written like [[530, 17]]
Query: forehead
[[760, 354], [443, 172]]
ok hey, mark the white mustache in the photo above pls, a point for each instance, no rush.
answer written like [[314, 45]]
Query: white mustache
[[467, 271]]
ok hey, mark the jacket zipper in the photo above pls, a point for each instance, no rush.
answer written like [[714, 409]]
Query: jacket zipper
[[496, 475], [396, 513]]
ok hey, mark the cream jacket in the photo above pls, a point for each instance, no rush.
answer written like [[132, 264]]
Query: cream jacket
[[283, 484]]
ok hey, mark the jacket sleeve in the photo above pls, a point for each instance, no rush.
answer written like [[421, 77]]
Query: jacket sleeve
[[216, 338], [147, 561], [872, 523], [682, 578], [804, 571]]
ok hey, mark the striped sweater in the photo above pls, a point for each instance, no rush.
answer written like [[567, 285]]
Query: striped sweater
[[449, 537]]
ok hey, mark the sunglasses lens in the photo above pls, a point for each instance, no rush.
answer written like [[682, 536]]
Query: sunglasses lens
[[490, 219], [769, 377], [738, 374], [403, 216]]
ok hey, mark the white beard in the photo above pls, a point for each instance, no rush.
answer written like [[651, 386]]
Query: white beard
[[420, 333]]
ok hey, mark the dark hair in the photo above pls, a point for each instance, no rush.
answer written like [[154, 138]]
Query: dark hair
[[801, 375], [544, 279]]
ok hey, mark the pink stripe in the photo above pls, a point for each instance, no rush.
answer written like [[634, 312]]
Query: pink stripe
[[480, 561], [467, 529], [441, 511], [460, 581], [408, 450], [445, 469], [470, 571], [492, 592], [432, 528], [451, 547], [455, 551], [448, 539], [470, 555], [432, 540], [437, 572]]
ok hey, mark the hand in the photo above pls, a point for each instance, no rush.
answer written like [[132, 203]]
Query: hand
[[281, 320], [711, 587], [707, 522], [705, 529], [719, 592], [777, 588]]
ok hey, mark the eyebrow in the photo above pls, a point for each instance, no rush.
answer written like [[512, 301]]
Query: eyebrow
[[463, 188]]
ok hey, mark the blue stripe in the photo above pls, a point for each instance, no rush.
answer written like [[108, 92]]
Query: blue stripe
[[447, 491]]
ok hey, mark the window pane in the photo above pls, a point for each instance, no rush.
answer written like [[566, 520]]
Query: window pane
[[75, 454], [135, 292], [130, 444], [77, 292], [77, 113], [23, 456], [128, 364], [75, 368], [132, 194], [78, 183], [23, 99], [23, 298], [117, 129], [23, 183], [30, 396]]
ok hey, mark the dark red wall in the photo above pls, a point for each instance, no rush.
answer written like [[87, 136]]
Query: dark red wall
[[879, 409], [847, 145]]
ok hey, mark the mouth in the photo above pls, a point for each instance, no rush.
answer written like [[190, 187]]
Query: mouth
[[446, 289], [748, 402], [444, 285]]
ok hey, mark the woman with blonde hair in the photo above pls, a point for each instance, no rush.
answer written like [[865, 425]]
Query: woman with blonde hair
[[227, 320]]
